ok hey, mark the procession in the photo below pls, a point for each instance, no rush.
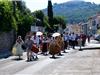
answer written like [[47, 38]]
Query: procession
[[55, 44], [49, 37]]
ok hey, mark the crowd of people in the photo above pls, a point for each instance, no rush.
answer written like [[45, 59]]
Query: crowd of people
[[47, 44]]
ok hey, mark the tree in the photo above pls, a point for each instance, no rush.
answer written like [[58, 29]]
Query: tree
[[20, 5], [25, 25], [39, 15], [50, 14], [24, 18], [46, 24], [7, 20], [59, 20]]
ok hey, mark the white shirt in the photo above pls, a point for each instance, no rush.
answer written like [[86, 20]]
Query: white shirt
[[73, 37], [36, 40], [66, 37]]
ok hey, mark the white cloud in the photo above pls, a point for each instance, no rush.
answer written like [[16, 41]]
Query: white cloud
[[95, 1], [36, 4]]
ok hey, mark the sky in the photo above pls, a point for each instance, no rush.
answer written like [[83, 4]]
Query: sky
[[34, 5]]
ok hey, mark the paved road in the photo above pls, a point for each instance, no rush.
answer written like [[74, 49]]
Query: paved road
[[74, 62]]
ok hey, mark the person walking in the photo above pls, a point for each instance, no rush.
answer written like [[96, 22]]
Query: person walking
[[18, 45], [88, 38], [54, 47], [83, 36], [70, 41], [35, 48], [73, 40], [45, 45], [66, 40], [29, 44]]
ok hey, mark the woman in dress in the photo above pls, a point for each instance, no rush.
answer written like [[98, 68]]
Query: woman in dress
[[54, 48], [18, 45], [61, 44]]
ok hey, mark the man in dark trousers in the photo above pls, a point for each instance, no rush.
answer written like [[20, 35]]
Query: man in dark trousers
[[83, 36], [73, 40]]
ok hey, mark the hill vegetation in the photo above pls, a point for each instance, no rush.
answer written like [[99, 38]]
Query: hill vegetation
[[75, 11]]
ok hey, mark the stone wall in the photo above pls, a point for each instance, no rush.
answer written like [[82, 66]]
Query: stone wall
[[6, 42]]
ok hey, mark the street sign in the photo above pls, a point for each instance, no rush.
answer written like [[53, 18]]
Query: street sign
[[37, 28]]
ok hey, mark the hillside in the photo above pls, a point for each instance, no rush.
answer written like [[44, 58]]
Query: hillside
[[75, 11]]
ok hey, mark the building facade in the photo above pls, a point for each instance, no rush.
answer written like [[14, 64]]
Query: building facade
[[70, 28]]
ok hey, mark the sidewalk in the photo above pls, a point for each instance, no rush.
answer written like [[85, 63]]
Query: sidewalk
[[92, 45]]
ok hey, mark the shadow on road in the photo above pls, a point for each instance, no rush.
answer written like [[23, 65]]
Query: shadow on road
[[17, 59], [55, 57], [94, 48]]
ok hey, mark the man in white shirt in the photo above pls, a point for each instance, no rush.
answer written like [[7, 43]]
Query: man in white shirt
[[66, 40], [35, 39], [73, 40]]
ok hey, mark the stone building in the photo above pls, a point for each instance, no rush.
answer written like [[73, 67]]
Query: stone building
[[93, 24], [76, 28], [97, 19]]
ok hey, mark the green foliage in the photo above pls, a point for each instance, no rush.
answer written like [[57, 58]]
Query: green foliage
[[39, 15], [15, 15], [59, 20], [75, 11], [7, 20], [24, 18], [50, 10], [20, 5], [25, 24], [56, 21], [46, 23], [50, 14]]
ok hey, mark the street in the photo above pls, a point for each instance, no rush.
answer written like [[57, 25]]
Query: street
[[75, 62], [49, 37]]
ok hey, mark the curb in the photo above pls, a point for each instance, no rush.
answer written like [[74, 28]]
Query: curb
[[89, 48]]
